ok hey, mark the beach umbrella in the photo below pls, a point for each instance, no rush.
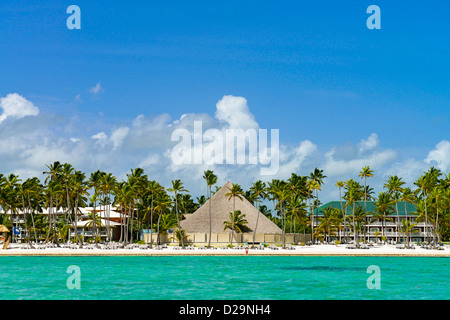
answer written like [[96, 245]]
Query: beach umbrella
[[3, 228]]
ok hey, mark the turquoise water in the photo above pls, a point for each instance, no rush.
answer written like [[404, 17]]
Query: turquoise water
[[224, 277]]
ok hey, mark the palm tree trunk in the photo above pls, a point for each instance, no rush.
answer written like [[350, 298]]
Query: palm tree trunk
[[426, 220], [178, 221], [398, 219], [436, 227], [283, 217], [210, 219], [232, 222], [158, 241], [407, 230]]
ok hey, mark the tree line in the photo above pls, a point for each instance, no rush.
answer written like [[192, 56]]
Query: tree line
[[145, 204]]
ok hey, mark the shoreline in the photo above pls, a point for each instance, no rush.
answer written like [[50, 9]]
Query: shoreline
[[314, 250]]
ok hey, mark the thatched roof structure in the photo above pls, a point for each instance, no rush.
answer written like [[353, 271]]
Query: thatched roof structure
[[220, 209], [3, 228]]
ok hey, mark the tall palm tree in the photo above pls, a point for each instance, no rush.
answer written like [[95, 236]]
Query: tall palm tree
[[234, 192], [329, 222], [32, 194], [354, 193], [407, 196], [384, 206], [394, 185], [425, 185], [137, 180], [340, 185], [95, 182], [313, 187], [177, 187], [365, 173], [162, 207], [211, 179], [407, 228], [437, 196], [317, 176], [258, 190], [80, 188], [153, 189], [53, 175], [12, 187], [108, 185]]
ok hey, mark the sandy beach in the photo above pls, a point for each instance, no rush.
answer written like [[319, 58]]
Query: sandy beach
[[313, 250]]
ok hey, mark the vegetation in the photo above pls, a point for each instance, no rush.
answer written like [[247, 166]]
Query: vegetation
[[145, 204]]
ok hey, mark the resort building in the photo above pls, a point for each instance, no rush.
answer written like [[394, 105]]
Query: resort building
[[197, 224], [107, 215], [376, 226]]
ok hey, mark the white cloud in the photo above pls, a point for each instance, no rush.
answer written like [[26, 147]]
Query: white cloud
[[235, 112], [118, 135], [100, 136], [440, 155], [16, 106], [29, 143], [97, 89], [370, 143], [293, 159], [345, 160]]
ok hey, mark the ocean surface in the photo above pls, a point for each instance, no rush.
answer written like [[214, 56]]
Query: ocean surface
[[224, 277]]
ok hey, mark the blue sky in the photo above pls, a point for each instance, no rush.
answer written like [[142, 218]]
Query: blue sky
[[311, 69]]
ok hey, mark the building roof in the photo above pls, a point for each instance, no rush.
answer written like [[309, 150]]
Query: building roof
[[82, 224], [82, 211], [410, 208], [220, 209]]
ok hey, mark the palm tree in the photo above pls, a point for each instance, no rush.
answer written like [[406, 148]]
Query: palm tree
[[317, 176], [153, 189], [313, 185], [340, 185], [95, 182], [201, 200], [137, 180], [162, 206], [94, 221], [394, 185], [365, 173], [383, 207], [278, 189], [108, 186], [54, 174], [234, 192], [407, 196], [177, 186], [258, 190], [353, 194], [236, 223], [211, 179], [437, 196], [407, 227], [329, 222], [425, 185], [32, 195], [359, 218], [66, 174]]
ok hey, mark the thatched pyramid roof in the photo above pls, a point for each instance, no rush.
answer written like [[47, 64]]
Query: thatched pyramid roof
[[220, 209]]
